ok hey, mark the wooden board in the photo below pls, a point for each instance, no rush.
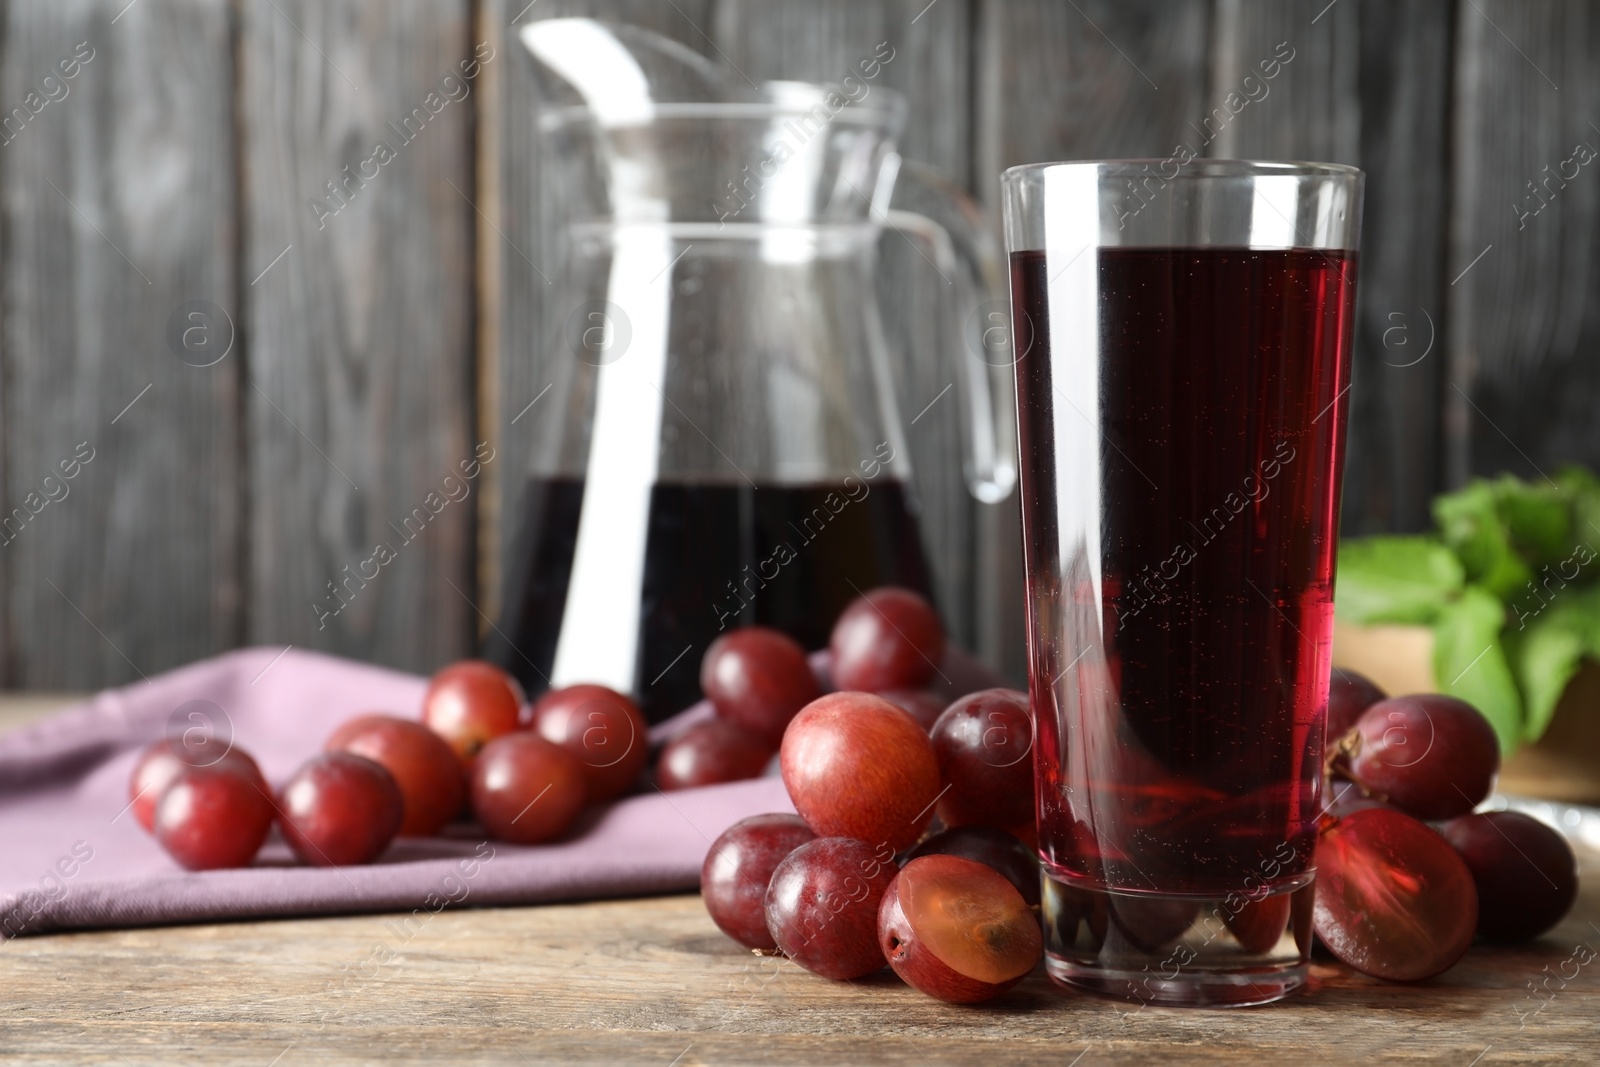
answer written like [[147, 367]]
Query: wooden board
[[1521, 272], [654, 982], [360, 339], [118, 220], [18, 709]]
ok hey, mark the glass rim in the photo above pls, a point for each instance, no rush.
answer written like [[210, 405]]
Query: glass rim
[[1194, 169], [770, 100]]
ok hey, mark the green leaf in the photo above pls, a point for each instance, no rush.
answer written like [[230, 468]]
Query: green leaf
[[1469, 661], [1537, 518], [1547, 642], [1584, 488], [1578, 609], [1470, 524], [1544, 657], [1395, 579]]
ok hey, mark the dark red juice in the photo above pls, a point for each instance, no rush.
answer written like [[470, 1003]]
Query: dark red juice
[[717, 556], [1180, 555]]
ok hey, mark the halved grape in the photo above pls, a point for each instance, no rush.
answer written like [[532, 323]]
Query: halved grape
[[1431, 756], [957, 930], [1525, 872], [991, 847], [1393, 899]]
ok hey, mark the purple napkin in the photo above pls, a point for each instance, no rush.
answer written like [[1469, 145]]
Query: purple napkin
[[72, 854]]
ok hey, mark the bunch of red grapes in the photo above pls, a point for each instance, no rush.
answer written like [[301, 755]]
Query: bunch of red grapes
[[869, 768], [524, 772], [1407, 874]]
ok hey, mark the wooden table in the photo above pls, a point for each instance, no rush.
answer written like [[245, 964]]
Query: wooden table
[[653, 982]]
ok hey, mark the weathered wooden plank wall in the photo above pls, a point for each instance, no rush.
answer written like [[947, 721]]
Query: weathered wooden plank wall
[[1366, 84], [1523, 391], [118, 184], [1394, 463], [359, 342], [374, 345]]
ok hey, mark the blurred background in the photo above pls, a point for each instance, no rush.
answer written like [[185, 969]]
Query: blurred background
[[251, 391]]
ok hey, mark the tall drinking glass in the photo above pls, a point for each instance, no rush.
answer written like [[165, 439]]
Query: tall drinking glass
[[1183, 334]]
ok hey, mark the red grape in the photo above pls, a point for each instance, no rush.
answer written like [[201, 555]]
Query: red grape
[[1431, 756], [526, 789], [1393, 899], [857, 766], [1075, 916], [1150, 923], [1349, 694], [1525, 872], [984, 744], [957, 930], [710, 752], [164, 761], [603, 729], [738, 869], [1258, 925], [923, 705], [822, 906], [339, 809], [212, 817], [471, 703], [888, 638], [350, 727], [990, 847], [758, 678], [426, 769]]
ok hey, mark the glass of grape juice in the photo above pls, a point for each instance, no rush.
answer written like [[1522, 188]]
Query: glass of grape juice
[[1182, 331]]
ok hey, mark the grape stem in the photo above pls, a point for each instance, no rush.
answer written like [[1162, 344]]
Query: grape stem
[[1340, 755]]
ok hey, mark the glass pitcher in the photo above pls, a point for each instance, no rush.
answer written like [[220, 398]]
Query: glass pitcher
[[722, 445]]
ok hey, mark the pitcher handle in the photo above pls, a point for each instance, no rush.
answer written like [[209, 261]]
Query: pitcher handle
[[946, 222]]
